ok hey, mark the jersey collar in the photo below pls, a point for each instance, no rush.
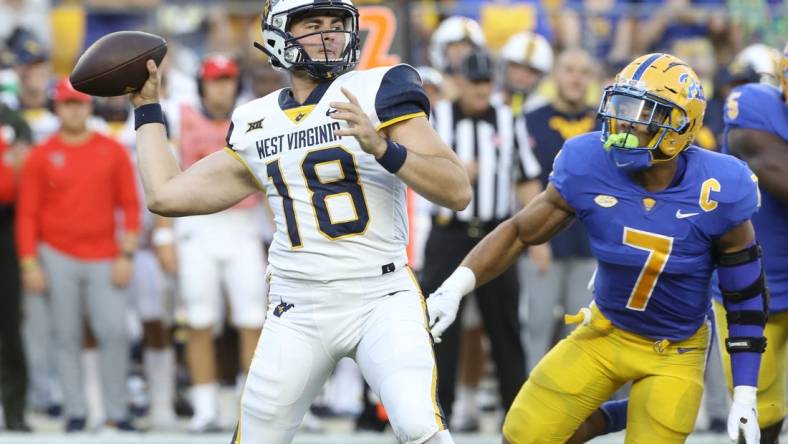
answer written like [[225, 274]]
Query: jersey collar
[[286, 100]]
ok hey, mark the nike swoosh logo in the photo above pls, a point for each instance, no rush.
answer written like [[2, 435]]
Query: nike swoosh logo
[[330, 111], [680, 215], [683, 350], [622, 165]]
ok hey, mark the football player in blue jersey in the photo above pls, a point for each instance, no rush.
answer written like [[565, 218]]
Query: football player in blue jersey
[[756, 130], [661, 214]]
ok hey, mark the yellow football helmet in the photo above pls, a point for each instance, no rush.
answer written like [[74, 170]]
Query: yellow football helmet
[[662, 92]]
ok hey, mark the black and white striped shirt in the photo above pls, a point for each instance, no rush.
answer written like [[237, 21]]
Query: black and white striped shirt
[[498, 143]]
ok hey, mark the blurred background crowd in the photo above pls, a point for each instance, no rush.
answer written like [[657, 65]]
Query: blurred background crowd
[[113, 318]]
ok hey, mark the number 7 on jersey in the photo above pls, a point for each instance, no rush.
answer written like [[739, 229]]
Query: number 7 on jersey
[[658, 248]]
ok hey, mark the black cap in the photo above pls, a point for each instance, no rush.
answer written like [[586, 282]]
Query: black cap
[[477, 67], [26, 47]]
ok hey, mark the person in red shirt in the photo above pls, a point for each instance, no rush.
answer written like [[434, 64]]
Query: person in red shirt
[[70, 188]]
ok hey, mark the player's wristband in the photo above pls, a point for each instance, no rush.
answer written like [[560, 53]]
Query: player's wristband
[[461, 282], [150, 113], [394, 156], [745, 394]]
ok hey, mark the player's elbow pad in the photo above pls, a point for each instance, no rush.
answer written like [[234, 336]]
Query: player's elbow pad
[[746, 299]]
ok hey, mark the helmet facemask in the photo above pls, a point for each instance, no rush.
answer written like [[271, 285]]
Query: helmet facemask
[[635, 106]]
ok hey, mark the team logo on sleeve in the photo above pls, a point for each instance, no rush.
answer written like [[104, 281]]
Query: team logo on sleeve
[[256, 125], [605, 201]]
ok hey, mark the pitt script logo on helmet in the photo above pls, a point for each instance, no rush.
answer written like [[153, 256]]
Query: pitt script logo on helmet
[[285, 51], [662, 93]]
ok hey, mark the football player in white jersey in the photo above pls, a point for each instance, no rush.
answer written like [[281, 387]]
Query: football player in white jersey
[[334, 153]]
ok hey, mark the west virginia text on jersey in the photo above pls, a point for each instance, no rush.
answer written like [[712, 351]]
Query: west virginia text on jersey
[[325, 190], [654, 249]]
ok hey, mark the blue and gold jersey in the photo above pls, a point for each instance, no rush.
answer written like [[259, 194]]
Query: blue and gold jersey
[[761, 107], [655, 249]]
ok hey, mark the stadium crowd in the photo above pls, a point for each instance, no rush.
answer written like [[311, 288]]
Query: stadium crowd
[[114, 318]]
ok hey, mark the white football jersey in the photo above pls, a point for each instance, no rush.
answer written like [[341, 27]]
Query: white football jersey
[[338, 213]]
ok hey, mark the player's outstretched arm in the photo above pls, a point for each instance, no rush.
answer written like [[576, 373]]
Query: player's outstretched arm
[[546, 215], [767, 156], [213, 184]]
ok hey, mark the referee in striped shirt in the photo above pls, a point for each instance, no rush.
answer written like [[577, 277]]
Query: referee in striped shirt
[[493, 145]]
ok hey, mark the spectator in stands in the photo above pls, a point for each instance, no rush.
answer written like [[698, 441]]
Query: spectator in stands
[[14, 139], [34, 70], [71, 187]]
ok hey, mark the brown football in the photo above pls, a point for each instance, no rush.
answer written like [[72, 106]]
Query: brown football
[[115, 64]]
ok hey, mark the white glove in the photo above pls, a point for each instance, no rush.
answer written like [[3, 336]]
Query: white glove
[[442, 308], [744, 416], [442, 305]]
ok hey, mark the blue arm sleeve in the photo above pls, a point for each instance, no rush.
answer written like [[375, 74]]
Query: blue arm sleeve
[[745, 365]]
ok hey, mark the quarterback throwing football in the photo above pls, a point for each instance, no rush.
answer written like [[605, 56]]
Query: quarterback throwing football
[[334, 153]]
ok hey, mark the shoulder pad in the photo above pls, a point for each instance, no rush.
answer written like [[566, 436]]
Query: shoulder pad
[[400, 94]]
